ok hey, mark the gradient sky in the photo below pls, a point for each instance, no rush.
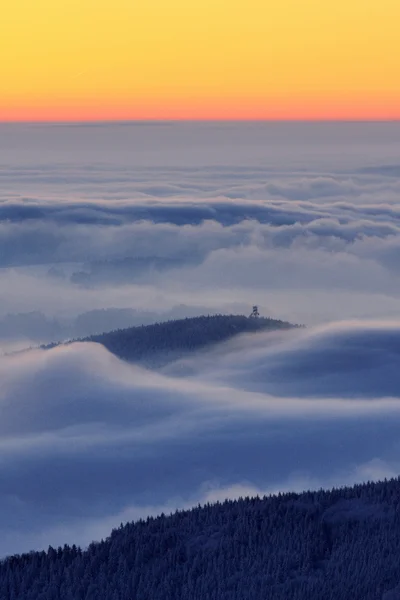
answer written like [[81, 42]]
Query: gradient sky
[[199, 59]]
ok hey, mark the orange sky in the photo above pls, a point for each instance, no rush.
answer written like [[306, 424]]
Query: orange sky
[[199, 59]]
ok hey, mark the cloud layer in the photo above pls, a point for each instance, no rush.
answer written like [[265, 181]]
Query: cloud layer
[[104, 226], [87, 440], [303, 219]]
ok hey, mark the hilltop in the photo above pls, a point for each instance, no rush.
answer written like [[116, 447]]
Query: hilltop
[[160, 343]]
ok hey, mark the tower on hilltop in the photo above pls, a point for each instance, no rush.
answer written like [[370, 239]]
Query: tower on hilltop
[[255, 314]]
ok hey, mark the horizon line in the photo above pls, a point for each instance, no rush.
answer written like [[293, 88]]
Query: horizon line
[[187, 120]]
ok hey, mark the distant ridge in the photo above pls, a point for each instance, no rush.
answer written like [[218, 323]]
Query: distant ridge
[[160, 343]]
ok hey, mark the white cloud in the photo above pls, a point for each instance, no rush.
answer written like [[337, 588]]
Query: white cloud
[[303, 220], [110, 441]]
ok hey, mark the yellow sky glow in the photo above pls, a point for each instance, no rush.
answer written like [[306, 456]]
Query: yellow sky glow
[[199, 59]]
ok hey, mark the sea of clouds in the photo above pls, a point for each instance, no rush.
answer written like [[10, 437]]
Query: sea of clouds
[[104, 226]]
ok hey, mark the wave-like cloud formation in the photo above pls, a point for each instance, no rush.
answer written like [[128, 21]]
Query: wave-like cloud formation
[[88, 441], [342, 360]]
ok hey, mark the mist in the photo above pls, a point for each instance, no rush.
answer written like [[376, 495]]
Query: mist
[[110, 226]]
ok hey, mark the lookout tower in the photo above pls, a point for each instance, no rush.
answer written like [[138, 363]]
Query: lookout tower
[[255, 314]]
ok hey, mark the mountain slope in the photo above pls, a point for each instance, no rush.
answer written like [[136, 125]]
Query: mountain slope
[[340, 544]]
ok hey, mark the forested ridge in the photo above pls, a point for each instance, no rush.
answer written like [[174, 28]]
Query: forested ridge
[[324, 545], [159, 343]]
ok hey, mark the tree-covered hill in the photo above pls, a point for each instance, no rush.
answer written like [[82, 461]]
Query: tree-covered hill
[[326, 545], [154, 345]]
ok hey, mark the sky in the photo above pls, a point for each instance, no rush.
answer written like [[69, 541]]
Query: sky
[[74, 60], [108, 225]]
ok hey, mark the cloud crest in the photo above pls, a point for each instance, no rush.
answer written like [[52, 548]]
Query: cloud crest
[[107, 439]]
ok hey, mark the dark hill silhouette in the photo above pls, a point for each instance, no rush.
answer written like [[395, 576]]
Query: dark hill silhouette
[[340, 544], [158, 344]]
